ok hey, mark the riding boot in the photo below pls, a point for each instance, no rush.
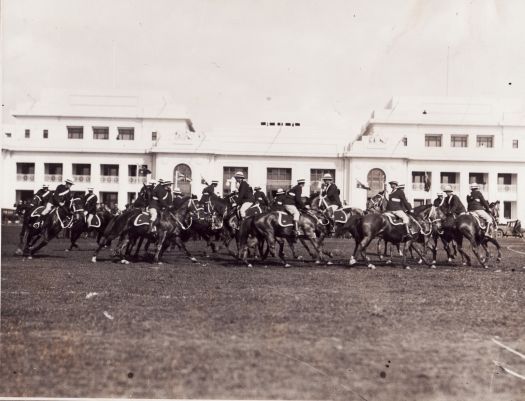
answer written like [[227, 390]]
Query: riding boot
[[409, 234], [295, 231]]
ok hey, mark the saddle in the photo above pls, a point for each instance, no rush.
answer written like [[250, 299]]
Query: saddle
[[142, 219], [253, 210], [342, 215], [37, 211], [95, 222], [284, 219], [481, 223], [394, 220]]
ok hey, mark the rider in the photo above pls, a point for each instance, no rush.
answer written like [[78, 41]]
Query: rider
[[245, 198], [90, 205], [331, 193], [452, 204], [157, 201], [293, 202], [279, 200], [43, 194], [177, 198], [208, 194], [61, 195], [398, 205], [260, 197], [439, 200], [477, 204], [169, 199]]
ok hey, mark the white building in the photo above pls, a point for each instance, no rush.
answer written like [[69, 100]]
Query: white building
[[444, 141], [103, 141]]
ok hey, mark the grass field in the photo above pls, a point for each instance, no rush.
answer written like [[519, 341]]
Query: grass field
[[216, 329]]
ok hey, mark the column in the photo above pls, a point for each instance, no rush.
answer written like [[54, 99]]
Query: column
[[492, 190]]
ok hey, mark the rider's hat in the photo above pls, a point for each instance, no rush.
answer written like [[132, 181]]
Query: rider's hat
[[447, 188], [215, 182], [168, 182], [90, 189], [160, 180], [393, 182], [439, 194], [68, 181], [327, 176], [45, 186], [177, 191], [301, 181], [239, 174], [280, 191], [474, 186], [257, 187], [401, 186]]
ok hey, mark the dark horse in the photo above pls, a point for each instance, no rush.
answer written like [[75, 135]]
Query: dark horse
[[384, 226], [465, 226], [60, 217], [80, 225]]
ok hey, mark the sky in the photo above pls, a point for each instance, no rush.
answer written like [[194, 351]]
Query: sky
[[233, 63]]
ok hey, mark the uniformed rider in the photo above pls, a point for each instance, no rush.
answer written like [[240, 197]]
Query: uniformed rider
[[245, 198], [452, 205], [43, 196], [279, 200], [293, 203], [438, 202], [90, 205], [477, 204], [158, 199], [260, 197], [208, 194], [61, 195], [398, 205], [177, 198], [331, 193]]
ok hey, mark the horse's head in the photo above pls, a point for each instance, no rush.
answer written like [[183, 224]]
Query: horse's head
[[435, 216], [377, 203]]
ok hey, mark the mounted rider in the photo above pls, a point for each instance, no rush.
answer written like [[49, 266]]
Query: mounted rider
[[260, 197], [293, 203], [208, 194], [245, 198], [158, 201], [61, 195], [438, 202], [43, 196], [330, 193], [177, 198], [452, 205], [477, 204], [398, 205], [279, 200], [90, 205]]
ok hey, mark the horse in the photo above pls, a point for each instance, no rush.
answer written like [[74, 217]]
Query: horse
[[98, 223], [58, 218], [268, 226], [384, 226], [30, 215]]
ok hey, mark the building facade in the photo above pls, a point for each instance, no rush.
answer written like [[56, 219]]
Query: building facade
[[430, 143]]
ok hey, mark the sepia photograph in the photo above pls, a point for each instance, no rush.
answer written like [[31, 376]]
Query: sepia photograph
[[262, 200]]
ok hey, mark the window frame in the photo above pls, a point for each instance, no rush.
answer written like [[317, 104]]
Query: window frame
[[434, 137], [75, 135], [96, 135], [462, 139], [479, 142], [122, 135]]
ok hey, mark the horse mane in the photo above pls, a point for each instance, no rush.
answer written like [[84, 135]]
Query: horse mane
[[421, 208]]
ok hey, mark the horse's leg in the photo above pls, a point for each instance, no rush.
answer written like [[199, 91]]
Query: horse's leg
[[181, 245], [464, 256], [291, 244], [280, 241], [420, 254], [160, 242], [137, 249], [475, 250], [361, 248], [498, 247]]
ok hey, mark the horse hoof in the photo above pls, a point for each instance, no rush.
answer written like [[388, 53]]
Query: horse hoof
[[449, 260], [250, 265], [388, 262], [380, 257], [352, 262], [19, 252], [94, 259], [160, 263], [287, 265], [124, 262], [371, 266], [329, 263], [433, 266], [317, 262], [66, 250], [407, 267], [464, 263], [420, 261], [29, 257], [498, 260], [193, 259], [300, 257], [485, 266]]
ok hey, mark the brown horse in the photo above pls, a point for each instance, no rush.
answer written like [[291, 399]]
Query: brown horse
[[266, 228]]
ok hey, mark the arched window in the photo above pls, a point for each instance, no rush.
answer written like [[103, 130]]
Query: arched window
[[182, 178], [376, 181]]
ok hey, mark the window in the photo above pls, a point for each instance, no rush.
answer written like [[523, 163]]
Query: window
[[182, 178], [109, 173], [485, 141], [504, 179], [459, 141], [278, 178], [131, 197], [449, 178], [297, 124], [132, 170], [419, 202], [154, 136], [433, 141], [82, 172], [263, 123], [316, 176], [75, 132], [100, 132], [272, 124], [25, 172], [376, 182], [507, 210], [421, 180], [52, 172], [405, 141], [126, 134], [46, 134], [109, 199], [515, 144], [8, 135], [27, 133], [228, 182]]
